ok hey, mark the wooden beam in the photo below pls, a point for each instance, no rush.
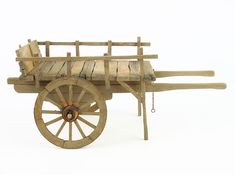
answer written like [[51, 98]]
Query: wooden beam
[[129, 88], [77, 43], [106, 73], [143, 99], [81, 43], [47, 48], [69, 64], [109, 47], [23, 86], [162, 74], [87, 58], [158, 87], [138, 53]]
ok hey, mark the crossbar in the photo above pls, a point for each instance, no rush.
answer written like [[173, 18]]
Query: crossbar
[[93, 43], [87, 58]]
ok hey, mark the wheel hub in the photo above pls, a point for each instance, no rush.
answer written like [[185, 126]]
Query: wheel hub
[[70, 113]]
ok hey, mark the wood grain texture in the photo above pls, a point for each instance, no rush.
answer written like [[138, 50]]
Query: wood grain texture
[[89, 58], [84, 43], [162, 74], [25, 52], [53, 72], [87, 70], [94, 70], [98, 73], [77, 67], [69, 141], [123, 71], [35, 48]]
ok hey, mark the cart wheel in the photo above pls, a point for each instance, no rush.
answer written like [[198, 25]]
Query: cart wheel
[[75, 124]]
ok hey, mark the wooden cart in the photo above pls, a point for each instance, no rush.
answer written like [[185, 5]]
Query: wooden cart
[[70, 110]]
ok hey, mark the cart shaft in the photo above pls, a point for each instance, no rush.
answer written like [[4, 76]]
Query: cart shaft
[[162, 74], [157, 87]]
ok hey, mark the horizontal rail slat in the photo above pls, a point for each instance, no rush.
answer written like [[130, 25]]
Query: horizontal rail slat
[[87, 58], [94, 43]]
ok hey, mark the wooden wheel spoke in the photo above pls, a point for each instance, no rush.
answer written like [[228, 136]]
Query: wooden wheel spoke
[[93, 108], [60, 129], [54, 120], [53, 102], [86, 105], [80, 96], [90, 113], [79, 129], [85, 112], [70, 131], [61, 97], [51, 112], [86, 122], [70, 95]]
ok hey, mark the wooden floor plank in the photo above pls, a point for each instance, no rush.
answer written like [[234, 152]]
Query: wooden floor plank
[[148, 71], [55, 69], [77, 67], [94, 70], [46, 68], [87, 70], [63, 70], [113, 66], [134, 71], [123, 71], [98, 73]]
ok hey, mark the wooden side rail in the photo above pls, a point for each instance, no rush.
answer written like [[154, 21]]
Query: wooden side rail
[[81, 43], [24, 86], [86, 58]]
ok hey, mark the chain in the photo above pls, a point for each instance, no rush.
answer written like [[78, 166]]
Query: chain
[[153, 109]]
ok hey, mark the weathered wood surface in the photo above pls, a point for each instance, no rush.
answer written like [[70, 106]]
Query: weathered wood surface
[[25, 52], [123, 71], [87, 70], [88, 58], [34, 48], [98, 72], [117, 88], [81, 43], [95, 70], [162, 74]]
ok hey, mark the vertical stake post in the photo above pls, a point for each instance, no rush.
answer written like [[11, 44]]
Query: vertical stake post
[[138, 53], [47, 48], [77, 48], [106, 72], [142, 82], [68, 64]]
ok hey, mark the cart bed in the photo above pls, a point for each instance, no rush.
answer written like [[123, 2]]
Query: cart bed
[[94, 70]]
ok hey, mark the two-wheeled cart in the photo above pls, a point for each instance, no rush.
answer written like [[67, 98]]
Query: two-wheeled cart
[[70, 110]]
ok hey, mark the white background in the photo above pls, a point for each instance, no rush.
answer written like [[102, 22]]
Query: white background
[[192, 132]]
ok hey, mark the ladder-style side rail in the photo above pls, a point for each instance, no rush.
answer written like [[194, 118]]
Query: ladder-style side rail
[[85, 43], [87, 58]]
